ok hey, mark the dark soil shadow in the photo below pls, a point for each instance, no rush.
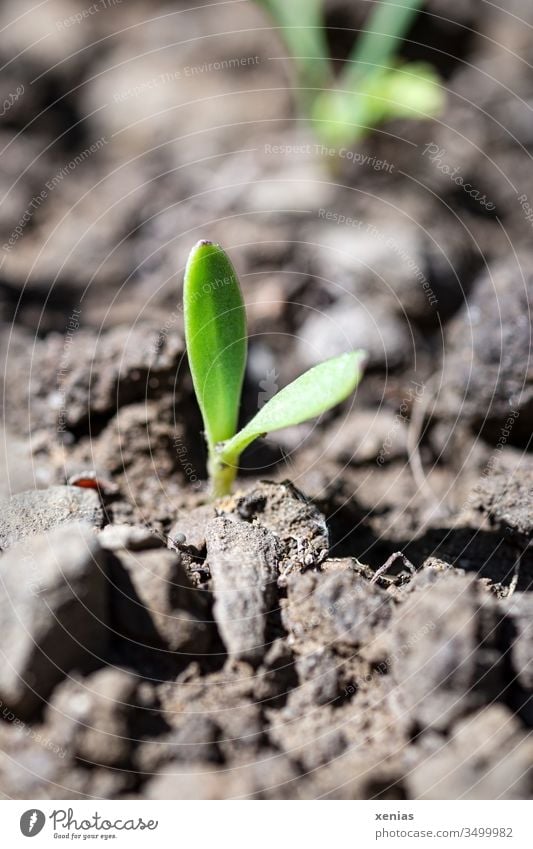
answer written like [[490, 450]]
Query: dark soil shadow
[[488, 555], [142, 648]]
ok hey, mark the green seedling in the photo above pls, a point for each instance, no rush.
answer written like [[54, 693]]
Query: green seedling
[[215, 333], [301, 25], [373, 86]]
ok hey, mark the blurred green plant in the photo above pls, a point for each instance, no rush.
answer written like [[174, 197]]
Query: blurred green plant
[[215, 333], [373, 87]]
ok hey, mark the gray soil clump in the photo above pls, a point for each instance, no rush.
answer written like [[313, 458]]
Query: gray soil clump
[[244, 563], [37, 511], [54, 617]]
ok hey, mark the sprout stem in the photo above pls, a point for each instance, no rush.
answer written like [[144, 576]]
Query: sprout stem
[[221, 475]]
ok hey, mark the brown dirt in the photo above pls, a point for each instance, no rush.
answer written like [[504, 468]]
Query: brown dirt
[[243, 648]]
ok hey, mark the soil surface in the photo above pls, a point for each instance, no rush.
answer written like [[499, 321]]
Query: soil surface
[[158, 645]]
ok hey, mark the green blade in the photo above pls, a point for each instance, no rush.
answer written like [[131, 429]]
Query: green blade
[[302, 26], [381, 39], [215, 333], [310, 395]]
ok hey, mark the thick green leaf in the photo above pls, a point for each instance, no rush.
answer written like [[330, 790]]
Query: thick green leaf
[[215, 332], [310, 395], [302, 26]]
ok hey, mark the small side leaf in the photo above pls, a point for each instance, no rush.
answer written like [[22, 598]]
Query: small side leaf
[[215, 333], [310, 395], [412, 90]]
